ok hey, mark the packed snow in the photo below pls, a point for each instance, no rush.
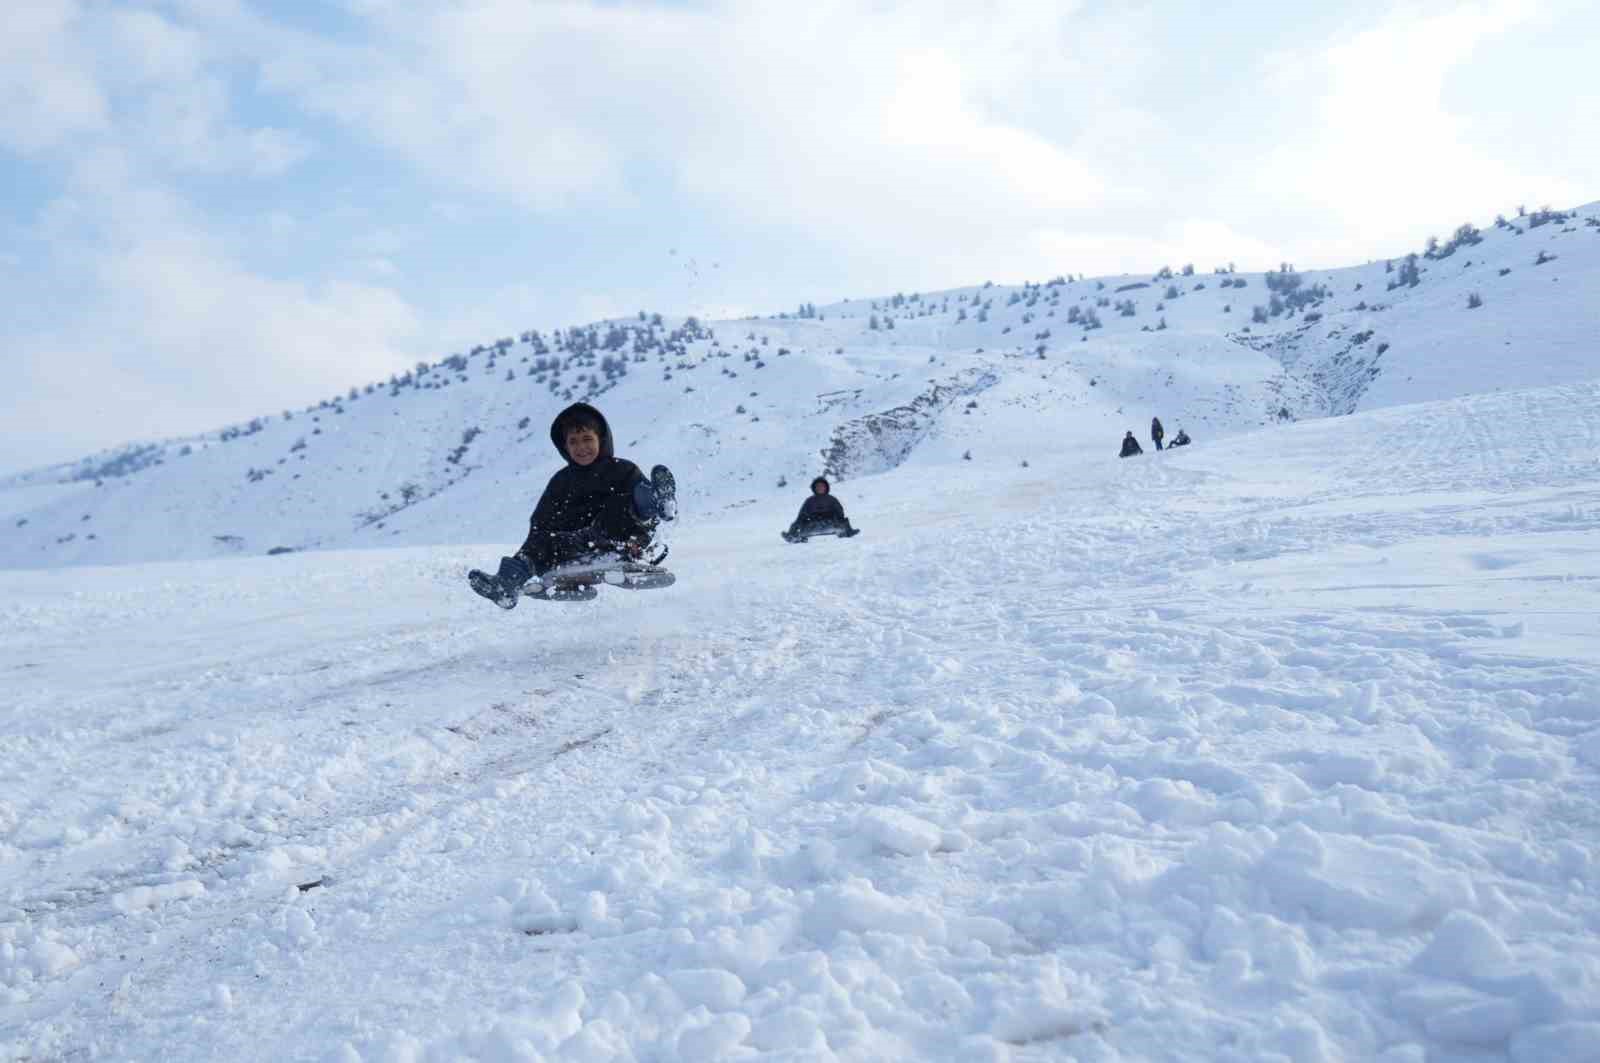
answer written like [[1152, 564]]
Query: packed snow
[[1284, 746]]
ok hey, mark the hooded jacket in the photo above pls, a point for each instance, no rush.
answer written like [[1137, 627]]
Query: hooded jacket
[[1130, 446], [597, 497], [821, 509]]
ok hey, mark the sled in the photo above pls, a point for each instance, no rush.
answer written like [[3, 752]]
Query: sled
[[810, 533], [582, 582]]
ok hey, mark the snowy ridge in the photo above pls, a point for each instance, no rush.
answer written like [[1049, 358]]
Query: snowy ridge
[[455, 451], [1194, 756]]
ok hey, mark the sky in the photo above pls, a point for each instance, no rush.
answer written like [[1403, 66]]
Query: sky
[[214, 209]]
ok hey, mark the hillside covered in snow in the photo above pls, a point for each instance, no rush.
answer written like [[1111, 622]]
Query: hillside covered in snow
[[457, 450], [1195, 756]]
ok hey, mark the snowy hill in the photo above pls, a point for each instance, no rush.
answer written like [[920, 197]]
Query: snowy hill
[[1194, 756], [457, 451]]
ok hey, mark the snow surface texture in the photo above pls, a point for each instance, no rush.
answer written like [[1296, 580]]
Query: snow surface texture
[[1282, 747], [457, 452]]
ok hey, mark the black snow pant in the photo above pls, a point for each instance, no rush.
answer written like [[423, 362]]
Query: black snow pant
[[553, 549]]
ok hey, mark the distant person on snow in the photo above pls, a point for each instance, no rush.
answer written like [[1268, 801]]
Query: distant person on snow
[[820, 512], [597, 506], [1180, 440], [1157, 433], [1130, 446]]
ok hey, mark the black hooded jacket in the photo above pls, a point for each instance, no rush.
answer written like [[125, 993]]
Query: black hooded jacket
[[820, 509], [1130, 446], [597, 497]]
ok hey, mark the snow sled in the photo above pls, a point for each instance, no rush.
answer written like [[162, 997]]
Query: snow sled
[[840, 530], [581, 582]]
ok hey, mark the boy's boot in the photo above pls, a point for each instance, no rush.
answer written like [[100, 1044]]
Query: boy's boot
[[504, 587], [657, 499], [666, 489]]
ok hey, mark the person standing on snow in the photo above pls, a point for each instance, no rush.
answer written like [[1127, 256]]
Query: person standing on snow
[[1157, 434], [597, 506]]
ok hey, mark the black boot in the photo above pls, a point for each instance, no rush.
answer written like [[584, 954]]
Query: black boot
[[656, 499], [505, 586], [665, 486]]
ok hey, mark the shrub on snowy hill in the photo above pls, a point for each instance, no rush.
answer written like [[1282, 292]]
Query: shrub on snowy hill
[[1544, 216], [1410, 274], [123, 462], [1465, 236], [1285, 280]]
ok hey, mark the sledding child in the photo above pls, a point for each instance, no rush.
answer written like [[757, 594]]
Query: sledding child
[[598, 506], [820, 512]]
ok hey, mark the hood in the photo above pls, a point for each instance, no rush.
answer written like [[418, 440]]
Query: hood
[[558, 434], [826, 485]]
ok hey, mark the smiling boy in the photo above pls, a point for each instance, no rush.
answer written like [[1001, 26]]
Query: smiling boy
[[597, 505]]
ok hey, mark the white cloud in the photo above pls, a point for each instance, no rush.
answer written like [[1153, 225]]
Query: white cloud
[[868, 116], [1377, 151], [48, 91], [168, 331], [152, 49]]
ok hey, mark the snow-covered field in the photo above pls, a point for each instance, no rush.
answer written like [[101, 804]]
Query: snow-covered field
[[1284, 747]]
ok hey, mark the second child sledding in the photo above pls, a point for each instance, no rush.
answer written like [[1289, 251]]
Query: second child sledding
[[820, 514], [597, 511]]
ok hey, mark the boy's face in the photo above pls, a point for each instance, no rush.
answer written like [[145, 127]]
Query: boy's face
[[819, 489], [583, 446]]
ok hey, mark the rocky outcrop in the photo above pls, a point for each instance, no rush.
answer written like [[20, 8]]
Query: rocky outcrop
[[878, 442]]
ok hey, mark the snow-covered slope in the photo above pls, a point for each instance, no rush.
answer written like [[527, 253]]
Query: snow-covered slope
[[457, 451], [1196, 756]]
